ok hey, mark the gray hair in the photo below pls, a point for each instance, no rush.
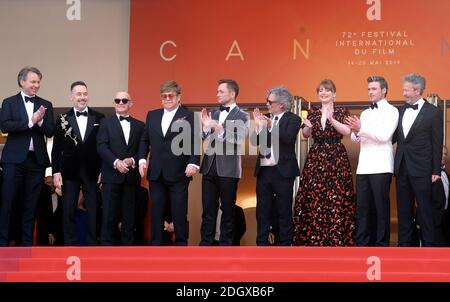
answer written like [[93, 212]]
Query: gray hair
[[417, 80], [282, 96], [22, 76]]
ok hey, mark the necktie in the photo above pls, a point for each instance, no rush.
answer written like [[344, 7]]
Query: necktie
[[413, 107], [28, 99], [373, 106], [222, 108], [84, 113], [124, 118]]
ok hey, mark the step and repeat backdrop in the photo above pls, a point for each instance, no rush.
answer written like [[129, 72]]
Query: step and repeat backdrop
[[295, 43]]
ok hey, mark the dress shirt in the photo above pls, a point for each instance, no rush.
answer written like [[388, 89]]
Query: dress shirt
[[271, 160], [410, 116], [167, 119], [125, 128], [82, 122], [29, 107], [376, 154]]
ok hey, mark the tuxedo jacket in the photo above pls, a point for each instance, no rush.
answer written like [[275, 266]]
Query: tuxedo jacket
[[285, 133], [422, 148], [226, 149], [70, 153], [14, 122], [162, 158], [111, 145]]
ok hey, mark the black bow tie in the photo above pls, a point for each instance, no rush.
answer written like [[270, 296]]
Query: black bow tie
[[373, 106], [28, 99], [84, 113], [413, 107], [124, 118], [222, 108]]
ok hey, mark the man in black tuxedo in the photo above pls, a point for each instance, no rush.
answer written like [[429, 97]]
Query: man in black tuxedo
[[118, 145], [417, 161], [169, 133], [225, 129], [276, 166], [27, 119], [76, 163]]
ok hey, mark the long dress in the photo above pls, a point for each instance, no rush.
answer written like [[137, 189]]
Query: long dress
[[324, 211]]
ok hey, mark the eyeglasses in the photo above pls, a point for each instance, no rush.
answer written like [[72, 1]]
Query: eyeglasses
[[271, 102], [168, 96], [124, 101]]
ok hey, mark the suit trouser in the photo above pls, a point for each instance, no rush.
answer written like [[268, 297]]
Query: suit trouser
[[217, 190], [373, 196], [162, 192], [271, 187], [71, 191], [409, 187], [28, 177], [119, 204]]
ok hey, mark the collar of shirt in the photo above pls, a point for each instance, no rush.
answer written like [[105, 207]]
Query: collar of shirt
[[75, 111], [420, 103], [118, 117], [24, 95], [279, 116], [231, 107], [171, 112]]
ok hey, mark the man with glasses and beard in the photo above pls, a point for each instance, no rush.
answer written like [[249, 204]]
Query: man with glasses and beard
[[76, 163], [169, 138]]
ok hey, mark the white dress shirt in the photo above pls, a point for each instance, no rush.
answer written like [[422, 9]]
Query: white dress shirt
[[82, 122], [167, 119], [126, 127], [271, 160], [29, 107], [376, 154], [410, 116]]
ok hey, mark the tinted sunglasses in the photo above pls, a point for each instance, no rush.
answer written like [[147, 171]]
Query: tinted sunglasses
[[270, 102], [168, 96], [124, 101]]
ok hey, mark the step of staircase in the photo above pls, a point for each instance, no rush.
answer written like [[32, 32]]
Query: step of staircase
[[223, 264]]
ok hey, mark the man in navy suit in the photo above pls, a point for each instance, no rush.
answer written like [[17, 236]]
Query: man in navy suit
[[169, 133], [118, 145], [417, 162], [76, 163], [276, 166], [27, 119]]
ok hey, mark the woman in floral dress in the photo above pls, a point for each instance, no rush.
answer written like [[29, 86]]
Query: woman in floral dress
[[324, 211]]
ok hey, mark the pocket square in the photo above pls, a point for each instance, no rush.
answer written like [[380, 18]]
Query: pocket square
[[96, 125]]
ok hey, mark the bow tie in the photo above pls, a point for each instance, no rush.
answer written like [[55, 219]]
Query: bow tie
[[373, 106], [124, 118], [222, 108], [413, 107], [84, 113], [29, 99]]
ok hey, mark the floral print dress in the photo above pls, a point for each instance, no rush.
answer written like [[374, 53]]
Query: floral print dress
[[324, 210]]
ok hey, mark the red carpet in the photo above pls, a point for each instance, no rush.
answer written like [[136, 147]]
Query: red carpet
[[214, 264]]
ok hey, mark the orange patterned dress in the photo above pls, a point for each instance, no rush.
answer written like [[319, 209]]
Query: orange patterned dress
[[324, 211]]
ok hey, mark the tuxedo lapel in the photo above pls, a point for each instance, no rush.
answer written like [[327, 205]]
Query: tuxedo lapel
[[89, 125], [118, 126], [232, 114], [132, 130], [21, 106], [179, 115], [401, 134], [158, 121], [418, 120], [73, 123]]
